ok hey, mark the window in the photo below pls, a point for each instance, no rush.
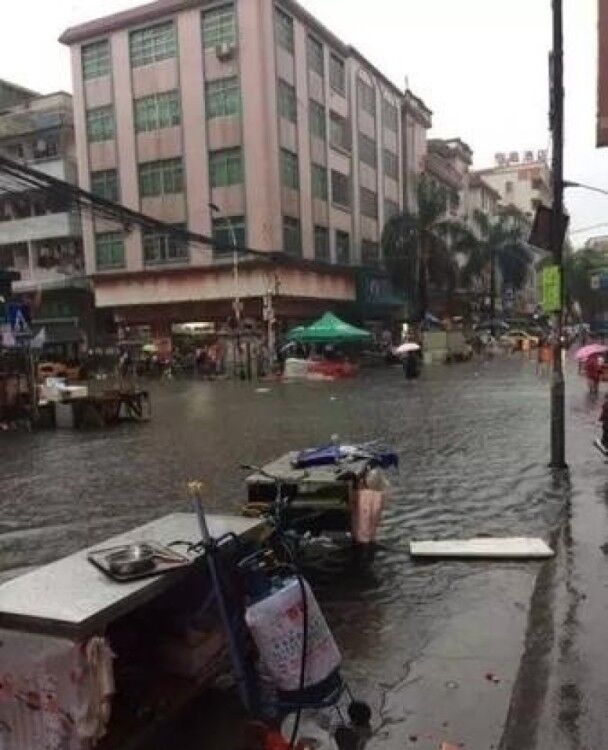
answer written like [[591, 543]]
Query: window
[[370, 253], [390, 116], [164, 247], [109, 250], [337, 77], [287, 102], [367, 151], [284, 30], [153, 44], [322, 244], [226, 167], [316, 113], [319, 182], [223, 98], [367, 98], [338, 133], [100, 124], [292, 239], [340, 188], [315, 55], [219, 26], [537, 184], [508, 187], [369, 203], [105, 184], [289, 169], [223, 235], [390, 209], [342, 247], [391, 164], [161, 177], [96, 60], [158, 111]]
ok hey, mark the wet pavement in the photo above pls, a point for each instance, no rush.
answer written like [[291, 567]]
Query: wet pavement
[[437, 647]]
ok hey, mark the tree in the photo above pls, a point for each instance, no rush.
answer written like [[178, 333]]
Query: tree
[[579, 267], [418, 246], [498, 243]]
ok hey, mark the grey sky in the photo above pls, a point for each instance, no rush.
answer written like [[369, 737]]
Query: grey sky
[[480, 65]]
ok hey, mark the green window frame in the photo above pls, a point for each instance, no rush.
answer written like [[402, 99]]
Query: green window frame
[[368, 203], [153, 44], [95, 60], [292, 236], [100, 124], [315, 55], [340, 189], [390, 116], [337, 74], [219, 26], [222, 98], [223, 235], [367, 97], [391, 164], [160, 248], [104, 184], [322, 252], [290, 175], [288, 107], [319, 182], [158, 111], [226, 167], [339, 136], [316, 115], [368, 152], [161, 178], [109, 250], [342, 247], [284, 29]]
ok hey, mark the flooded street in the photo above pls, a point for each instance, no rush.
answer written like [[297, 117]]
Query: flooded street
[[473, 446]]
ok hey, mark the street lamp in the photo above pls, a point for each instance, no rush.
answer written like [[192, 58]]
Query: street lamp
[[235, 275]]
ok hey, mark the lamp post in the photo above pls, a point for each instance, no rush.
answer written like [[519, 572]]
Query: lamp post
[[236, 305], [558, 389]]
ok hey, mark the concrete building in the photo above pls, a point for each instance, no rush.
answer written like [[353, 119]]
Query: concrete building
[[481, 196], [40, 237], [522, 184], [447, 164], [255, 107], [417, 120]]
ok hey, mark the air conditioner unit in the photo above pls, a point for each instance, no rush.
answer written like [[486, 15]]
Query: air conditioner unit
[[225, 51]]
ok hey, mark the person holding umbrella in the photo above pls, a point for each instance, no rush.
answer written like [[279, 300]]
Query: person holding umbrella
[[409, 351]]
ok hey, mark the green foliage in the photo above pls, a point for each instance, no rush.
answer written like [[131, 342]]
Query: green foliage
[[418, 246], [578, 269]]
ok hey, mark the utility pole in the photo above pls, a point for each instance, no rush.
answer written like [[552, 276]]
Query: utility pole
[[558, 389]]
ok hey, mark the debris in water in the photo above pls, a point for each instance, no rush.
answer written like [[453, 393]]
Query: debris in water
[[413, 738], [491, 677], [262, 390], [451, 684], [604, 548]]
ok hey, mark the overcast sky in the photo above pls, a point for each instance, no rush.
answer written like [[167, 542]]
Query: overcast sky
[[480, 65]]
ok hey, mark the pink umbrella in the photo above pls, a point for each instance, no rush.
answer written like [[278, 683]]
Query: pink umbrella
[[589, 351]]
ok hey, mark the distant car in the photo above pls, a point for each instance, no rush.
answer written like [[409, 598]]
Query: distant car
[[60, 370], [515, 339]]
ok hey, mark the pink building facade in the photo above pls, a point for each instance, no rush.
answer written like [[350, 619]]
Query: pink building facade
[[254, 107]]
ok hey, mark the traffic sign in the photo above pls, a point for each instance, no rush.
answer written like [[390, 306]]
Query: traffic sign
[[19, 319], [552, 289]]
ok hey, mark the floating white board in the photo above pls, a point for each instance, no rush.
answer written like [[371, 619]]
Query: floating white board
[[484, 547], [600, 447]]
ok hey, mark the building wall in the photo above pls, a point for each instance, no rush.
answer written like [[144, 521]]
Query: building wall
[[515, 185], [260, 62]]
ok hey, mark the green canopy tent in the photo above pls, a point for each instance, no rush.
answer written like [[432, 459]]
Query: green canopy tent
[[329, 329]]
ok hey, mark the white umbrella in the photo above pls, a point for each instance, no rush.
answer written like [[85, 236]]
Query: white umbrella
[[406, 347]]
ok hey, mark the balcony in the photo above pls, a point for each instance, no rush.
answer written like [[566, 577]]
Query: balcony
[[35, 228], [57, 167]]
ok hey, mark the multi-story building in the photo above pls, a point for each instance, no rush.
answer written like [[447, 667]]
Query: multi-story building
[[417, 119], [447, 164], [481, 196], [252, 106], [40, 236], [523, 184]]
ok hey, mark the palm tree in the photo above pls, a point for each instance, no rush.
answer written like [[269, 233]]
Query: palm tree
[[498, 244], [418, 246]]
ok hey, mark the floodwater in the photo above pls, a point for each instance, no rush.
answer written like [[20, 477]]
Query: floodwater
[[473, 445]]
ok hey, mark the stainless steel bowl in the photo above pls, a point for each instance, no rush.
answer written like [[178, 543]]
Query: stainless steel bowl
[[133, 559]]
